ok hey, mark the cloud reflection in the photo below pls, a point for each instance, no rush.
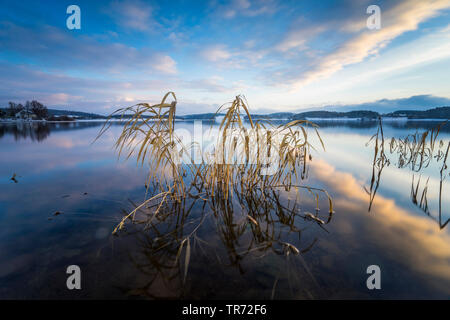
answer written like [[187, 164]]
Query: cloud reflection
[[415, 241]]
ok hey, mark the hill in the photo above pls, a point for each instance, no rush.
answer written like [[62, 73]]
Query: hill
[[276, 115], [436, 113], [200, 116], [413, 103], [77, 114], [333, 114]]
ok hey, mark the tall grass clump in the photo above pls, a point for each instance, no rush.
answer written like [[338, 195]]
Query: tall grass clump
[[249, 169], [415, 152]]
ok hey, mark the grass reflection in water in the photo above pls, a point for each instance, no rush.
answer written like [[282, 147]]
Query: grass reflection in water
[[253, 211], [414, 152]]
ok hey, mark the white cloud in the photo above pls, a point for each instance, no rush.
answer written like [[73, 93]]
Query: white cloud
[[59, 98], [165, 64], [406, 16], [216, 53], [237, 58], [247, 8], [132, 14], [50, 46], [297, 38], [211, 84]]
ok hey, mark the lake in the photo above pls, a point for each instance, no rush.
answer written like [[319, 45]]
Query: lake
[[58, 169]]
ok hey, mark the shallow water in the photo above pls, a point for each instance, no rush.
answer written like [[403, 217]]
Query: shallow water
[[58, 168]]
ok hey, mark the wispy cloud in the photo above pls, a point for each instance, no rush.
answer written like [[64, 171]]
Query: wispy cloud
[[298, 38], [135, 50], [216, 53], [132, 14], [224, 57], [248, 8], [81, 93], [406, 16], [85, 94], [53, 47], [211, 84], [164, 64]]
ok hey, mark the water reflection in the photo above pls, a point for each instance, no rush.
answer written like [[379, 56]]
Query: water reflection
[[36, 131], [416, 152], [404, 245], [414, 241], [273, 223], [39, 131], [231, 256], [244, 205], [183, 238]]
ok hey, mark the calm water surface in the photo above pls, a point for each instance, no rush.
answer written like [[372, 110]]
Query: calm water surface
[[59, 169]]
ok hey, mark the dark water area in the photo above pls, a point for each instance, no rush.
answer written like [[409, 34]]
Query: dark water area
[[57, 168]]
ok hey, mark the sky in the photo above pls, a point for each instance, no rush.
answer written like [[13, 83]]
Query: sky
[[281, 55]]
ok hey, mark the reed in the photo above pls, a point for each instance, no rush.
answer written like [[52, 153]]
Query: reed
[[232, 189], [416, 152]]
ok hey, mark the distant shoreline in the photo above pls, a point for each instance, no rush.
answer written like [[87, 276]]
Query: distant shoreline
[[434, 114], [386, 119]]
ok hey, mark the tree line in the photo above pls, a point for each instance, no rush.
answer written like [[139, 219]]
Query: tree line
[[33, 106]]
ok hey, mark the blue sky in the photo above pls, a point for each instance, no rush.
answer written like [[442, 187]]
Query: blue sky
[[282, 55]]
